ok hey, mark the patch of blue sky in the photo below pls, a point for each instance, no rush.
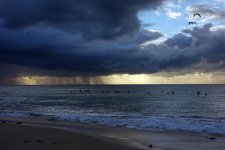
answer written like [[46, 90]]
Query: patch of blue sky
[[172, 16]]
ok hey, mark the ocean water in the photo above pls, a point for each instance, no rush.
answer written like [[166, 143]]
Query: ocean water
[[132, 106]]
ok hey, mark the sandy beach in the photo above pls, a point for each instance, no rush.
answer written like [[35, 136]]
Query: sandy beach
[[34, 134], [18, 136]]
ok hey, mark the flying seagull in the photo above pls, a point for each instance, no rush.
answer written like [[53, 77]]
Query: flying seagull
[[197, 14], [192, 23]]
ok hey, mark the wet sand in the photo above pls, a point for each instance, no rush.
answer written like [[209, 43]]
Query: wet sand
[[33, 134], [23, 137]]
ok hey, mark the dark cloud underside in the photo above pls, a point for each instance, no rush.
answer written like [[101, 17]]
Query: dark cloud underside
[[96, 37], [54, 34]]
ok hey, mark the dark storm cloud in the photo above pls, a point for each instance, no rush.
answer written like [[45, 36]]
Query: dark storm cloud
[[203, 47], [43, 51], [78, 36], [91, 38], [91, 18], [197, 46], [146, 35], [179, 41]]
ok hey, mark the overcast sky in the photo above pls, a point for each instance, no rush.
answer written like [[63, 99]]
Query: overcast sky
[[112, 41]]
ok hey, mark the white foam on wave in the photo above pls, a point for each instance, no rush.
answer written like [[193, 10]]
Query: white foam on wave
[[203, 125]]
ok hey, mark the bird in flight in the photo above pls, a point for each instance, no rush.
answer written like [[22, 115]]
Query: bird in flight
[[192, 23], [197, 14]]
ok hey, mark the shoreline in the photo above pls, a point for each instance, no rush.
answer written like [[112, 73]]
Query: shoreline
[[100, 136]]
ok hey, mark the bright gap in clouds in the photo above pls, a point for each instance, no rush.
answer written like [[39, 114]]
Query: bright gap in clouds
[[158, 78]]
